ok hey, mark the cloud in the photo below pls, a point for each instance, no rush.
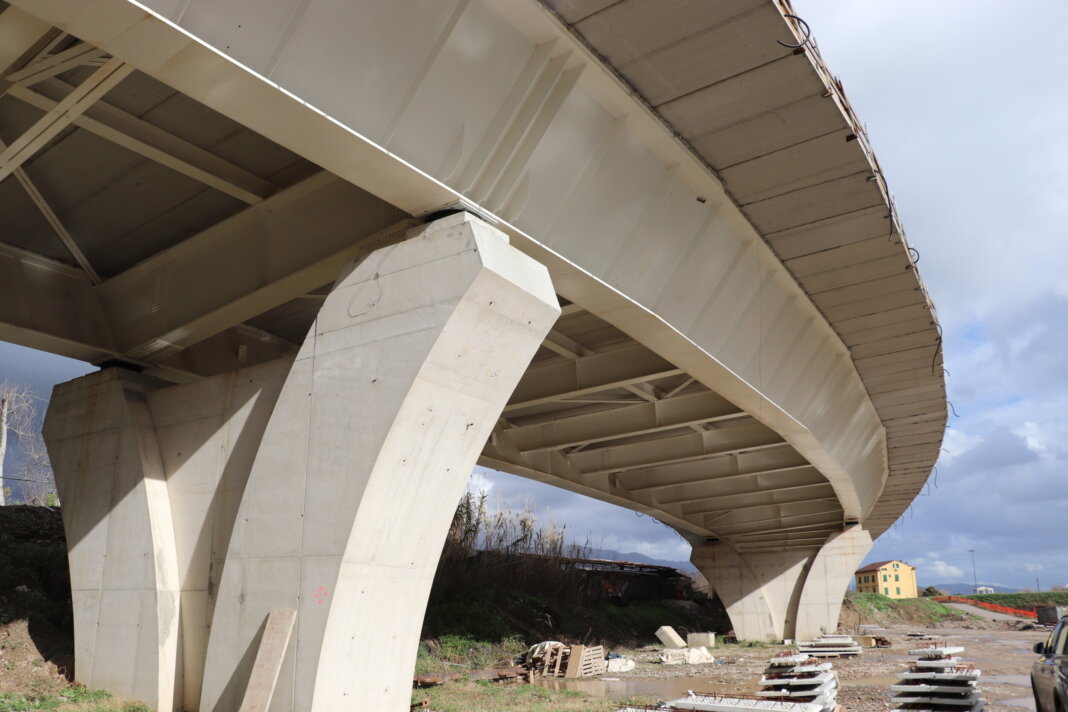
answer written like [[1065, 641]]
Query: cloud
[[940, 571]]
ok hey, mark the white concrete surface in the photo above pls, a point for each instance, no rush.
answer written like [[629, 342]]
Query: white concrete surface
[[695, 640], [120, 538], [759, 589], [827, 581], [670, 639], [339, 468], [374, 435]]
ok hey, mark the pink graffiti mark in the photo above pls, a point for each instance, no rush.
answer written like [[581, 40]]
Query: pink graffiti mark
[[321, 595]]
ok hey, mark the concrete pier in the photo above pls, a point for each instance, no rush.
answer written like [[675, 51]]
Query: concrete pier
[[320, 483]]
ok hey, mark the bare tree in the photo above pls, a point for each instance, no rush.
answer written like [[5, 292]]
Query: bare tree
[[20, 418]]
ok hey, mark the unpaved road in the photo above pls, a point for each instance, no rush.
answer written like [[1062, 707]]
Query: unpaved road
[[983, 613], [1004, 656]]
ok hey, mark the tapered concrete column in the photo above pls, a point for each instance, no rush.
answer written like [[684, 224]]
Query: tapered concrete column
[[117, 517], [759, 589], [828, 580], [375, 432]]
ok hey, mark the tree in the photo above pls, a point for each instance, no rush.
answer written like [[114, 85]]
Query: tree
[[931, 591], [20, 420]]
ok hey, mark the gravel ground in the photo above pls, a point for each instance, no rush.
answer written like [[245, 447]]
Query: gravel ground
[[1002, 653]]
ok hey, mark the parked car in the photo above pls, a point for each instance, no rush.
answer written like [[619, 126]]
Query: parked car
[[1049, 676]]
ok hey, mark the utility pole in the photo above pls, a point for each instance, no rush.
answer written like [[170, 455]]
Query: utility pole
[[975, 577], [1037, 586]]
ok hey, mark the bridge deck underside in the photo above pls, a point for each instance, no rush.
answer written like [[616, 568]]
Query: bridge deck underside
[[602, 414], [145, 174], [749, 93]]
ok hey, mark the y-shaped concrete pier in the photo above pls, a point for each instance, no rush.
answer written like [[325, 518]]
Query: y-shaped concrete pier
[[323, 484]]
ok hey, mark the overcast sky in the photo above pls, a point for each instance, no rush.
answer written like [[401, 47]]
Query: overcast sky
[[967, 107]]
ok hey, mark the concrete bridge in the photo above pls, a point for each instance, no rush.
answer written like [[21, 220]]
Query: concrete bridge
[[329, 255]]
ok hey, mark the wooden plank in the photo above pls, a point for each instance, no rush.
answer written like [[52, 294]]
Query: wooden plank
[[574, 664], [559, 659], [269, 657]]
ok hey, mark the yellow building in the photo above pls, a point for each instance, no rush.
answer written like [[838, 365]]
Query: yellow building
[[894, 579]]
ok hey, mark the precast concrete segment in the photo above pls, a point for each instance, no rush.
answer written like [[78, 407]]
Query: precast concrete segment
[[760, 590], [827, 581], [387, 406], [120, 537]]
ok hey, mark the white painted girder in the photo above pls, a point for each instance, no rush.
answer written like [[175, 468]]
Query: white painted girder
[[272, 252], [627, 421], [748, 465], [55, 64], [779, 524], [718, 492], [141, 137], [680, 448], [589, 374], [62, 115], [51, 306], [820, 492], [22, 35], [54, 222]]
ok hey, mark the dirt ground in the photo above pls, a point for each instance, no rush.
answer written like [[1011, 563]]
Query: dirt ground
[[22, 668], [1003, 654]]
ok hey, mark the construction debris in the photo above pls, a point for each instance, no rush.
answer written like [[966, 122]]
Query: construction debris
[[922, 636], [585, 661], [695, 640], [829, 646], [799, 678], [554, 659], [669, 638], [619, 664], [691, 656], [937, 681]]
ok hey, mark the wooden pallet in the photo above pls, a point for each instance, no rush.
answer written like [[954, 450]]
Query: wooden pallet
[[586, 661]]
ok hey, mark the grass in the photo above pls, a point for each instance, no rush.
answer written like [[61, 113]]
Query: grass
[[73, 699], [492, 697], [876, 605], [871, 603], [452, 653], [933, 610], [1023, 600]]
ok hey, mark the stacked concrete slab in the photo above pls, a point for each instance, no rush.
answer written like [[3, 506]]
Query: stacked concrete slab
[[800, 678], [938, 681], [829, 646], [706, 702]]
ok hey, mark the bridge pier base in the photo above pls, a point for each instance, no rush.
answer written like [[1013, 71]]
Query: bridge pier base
[[827, 581], [323, 483], [760, 589], [772, 595]]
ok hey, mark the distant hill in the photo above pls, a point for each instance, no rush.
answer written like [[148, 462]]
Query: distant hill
[[635, 557], [962, 588]]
